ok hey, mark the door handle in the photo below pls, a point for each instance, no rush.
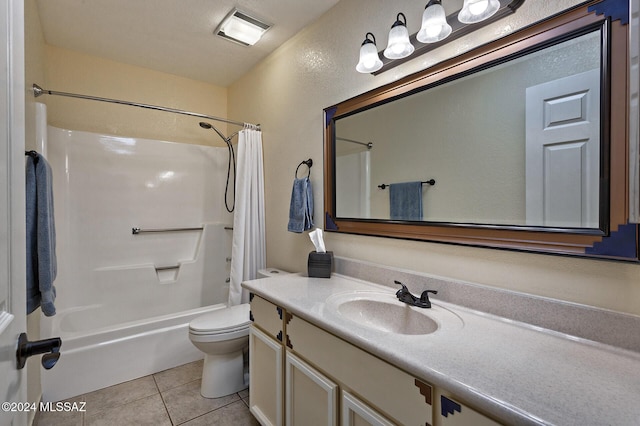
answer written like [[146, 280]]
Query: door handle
[[49, 347]]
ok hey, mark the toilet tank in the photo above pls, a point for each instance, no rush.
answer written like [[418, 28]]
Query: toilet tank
[[271, 272]]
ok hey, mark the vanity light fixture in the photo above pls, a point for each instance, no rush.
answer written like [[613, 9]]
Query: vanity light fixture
[[436, 27], [434, 23], [369, 59], [477, 10], [241, 28], [399, 45]]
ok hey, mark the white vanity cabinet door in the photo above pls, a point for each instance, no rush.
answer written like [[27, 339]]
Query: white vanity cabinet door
[[266, 362], [311, 398], [392, 392], [265, 372], [453, 413], [357, 413]]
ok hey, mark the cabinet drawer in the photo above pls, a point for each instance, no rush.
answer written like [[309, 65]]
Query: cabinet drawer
[[267, 317], [405, 400]]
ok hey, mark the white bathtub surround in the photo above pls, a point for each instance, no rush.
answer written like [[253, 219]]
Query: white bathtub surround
[[94, 360], [121, 313], [249, 244]]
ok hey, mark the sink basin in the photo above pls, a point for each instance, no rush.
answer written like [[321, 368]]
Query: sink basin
[[382, 311]]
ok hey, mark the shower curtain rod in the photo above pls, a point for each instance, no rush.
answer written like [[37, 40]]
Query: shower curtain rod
[[38, 91], [369, 145]]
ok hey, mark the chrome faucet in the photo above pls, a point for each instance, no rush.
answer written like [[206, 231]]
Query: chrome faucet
[[404, 295]]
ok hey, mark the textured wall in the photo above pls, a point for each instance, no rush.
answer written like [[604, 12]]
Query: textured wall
[[287, 92], [68, 71]]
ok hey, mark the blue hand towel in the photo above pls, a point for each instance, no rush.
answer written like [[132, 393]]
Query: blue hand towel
[[301, 207], [406, 201], [41, 237]]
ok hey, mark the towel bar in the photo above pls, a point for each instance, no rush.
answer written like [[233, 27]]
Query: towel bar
[[430, 182], [136, 231]]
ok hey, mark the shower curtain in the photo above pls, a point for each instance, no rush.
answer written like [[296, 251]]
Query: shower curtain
[[248, 253]]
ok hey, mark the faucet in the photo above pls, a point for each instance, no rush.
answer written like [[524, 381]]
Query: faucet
[[404, 295]]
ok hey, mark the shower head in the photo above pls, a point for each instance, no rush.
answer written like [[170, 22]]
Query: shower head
[[209, 126], [232, 160]]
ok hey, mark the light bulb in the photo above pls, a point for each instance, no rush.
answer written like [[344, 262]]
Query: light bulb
[[369, 60], [434, 24], [399, 45], [479, 7], [477, 10]]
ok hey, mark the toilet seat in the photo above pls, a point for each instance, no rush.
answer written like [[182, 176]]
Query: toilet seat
[[226, 321]]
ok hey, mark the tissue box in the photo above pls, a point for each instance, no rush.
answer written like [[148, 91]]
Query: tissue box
[[320, 265]]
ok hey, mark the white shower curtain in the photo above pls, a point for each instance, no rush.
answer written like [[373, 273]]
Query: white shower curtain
[[248, 252]]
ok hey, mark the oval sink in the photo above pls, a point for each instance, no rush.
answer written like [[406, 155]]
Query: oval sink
[[387, 317], [382, 311]]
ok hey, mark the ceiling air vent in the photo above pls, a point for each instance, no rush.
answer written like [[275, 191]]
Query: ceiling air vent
[[241, 28]]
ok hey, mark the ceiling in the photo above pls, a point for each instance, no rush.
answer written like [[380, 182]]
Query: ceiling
[[173, 36]]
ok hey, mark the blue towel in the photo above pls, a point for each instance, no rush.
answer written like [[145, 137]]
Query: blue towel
[[41, 237], [301, 207], [405, 201]]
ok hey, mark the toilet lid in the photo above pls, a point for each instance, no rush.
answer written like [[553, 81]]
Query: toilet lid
[[224, 319]]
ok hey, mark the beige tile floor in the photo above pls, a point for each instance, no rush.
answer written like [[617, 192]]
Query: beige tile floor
[[171, 397]]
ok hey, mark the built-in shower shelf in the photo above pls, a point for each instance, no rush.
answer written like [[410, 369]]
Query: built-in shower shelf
[[167, 274]]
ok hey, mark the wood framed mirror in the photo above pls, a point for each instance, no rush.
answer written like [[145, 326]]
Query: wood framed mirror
[[518, 144]]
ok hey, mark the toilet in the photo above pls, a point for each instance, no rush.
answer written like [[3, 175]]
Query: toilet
[[223, 335]]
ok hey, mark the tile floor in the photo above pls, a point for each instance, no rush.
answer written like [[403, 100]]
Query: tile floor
[[171, 397]]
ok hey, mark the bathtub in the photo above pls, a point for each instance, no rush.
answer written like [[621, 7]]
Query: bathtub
[[124, 300], [95, 359]]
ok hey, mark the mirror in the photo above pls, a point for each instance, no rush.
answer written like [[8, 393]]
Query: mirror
[[491, 156], [510, 145]]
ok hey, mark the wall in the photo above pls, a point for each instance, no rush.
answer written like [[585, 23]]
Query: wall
[[69, 71], [287, 92]]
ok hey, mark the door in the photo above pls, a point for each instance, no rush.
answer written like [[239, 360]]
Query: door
[[357, 413], [311, 397], [12, 240], [563, 152], [265, 372]]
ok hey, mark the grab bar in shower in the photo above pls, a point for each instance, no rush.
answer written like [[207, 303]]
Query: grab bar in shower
[[136, 231]]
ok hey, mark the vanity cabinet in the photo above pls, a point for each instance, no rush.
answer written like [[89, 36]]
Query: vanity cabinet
[[266, 358], [372, 391], [304, 375]]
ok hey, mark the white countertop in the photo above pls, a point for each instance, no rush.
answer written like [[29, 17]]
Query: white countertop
[[517, 373]]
